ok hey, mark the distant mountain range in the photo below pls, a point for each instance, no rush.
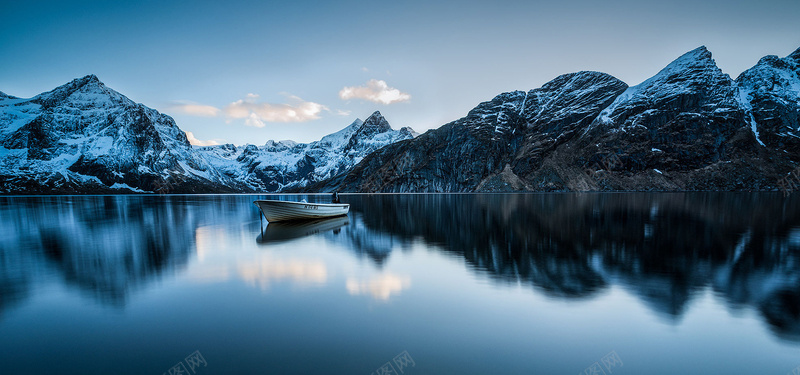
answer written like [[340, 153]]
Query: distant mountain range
[[287, 165], [689, 127], [84, 137]]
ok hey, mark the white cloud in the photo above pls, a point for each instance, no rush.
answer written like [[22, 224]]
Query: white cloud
[[341, 112], [194, 109], [254, 121], [256, 114], [196, 142], [375, 91]]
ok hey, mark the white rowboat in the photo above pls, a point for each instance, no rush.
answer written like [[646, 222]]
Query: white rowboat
[[285, 210]]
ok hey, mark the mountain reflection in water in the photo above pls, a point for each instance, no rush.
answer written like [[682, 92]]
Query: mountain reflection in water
[[664, 248]]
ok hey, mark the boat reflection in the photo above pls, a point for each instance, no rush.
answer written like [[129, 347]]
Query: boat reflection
[[283, 231]]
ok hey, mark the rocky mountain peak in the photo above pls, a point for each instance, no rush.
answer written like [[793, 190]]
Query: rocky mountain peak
[[85, 90], [409, 131], [376, 121], [90, 81], [684, 85], [374, 124], [796, 54], [89, 78], [693, 66], [773, 74], [570, 101]]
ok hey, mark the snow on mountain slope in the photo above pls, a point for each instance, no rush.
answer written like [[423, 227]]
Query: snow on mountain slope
[[769, 93], [284, 165], [86, 137], [689, 127], [493, 147], [691, 80]]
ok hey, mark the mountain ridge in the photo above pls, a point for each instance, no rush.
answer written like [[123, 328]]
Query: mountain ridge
[[288, 165], [84, 137], [689, 127]]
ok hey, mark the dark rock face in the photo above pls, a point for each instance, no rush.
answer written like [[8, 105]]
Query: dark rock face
[[373, 125], [493, 144], [771, 88], [689, 127]]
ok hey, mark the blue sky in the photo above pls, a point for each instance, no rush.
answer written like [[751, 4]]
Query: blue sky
[[250, 71]]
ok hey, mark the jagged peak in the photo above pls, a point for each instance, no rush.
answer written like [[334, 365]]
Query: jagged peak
[[696, 65], [90, 78], [376, 123], [772, 61], [6, 96], [578, 79], [583, 74], [77, 83], [767, 59], [89, 83], [374, 118], [698, 59], [796, 54], [767, 72], [408, 130]]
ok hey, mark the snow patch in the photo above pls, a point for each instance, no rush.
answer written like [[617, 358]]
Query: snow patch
[[121, 186], [743, 98]]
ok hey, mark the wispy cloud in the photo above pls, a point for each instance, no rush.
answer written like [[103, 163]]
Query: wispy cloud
[[194, 109], [196, 142], [257, 114], [376, 91]]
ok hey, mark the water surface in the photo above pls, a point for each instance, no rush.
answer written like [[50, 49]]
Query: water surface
[[693, 283]]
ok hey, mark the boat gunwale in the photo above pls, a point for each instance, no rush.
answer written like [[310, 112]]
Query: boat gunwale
[[340, 205]]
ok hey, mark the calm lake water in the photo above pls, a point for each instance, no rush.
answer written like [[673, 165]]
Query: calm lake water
[[700, 283]]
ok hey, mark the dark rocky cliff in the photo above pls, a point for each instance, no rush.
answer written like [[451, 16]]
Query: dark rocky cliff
[[689, 127]]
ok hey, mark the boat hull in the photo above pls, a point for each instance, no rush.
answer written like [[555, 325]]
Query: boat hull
[[287, 211]]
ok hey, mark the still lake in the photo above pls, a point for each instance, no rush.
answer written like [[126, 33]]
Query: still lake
[[628, 283]]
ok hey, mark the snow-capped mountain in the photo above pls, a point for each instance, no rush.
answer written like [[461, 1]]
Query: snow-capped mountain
[[689, 127], [692, 80], [85, 137], [287, 165]]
